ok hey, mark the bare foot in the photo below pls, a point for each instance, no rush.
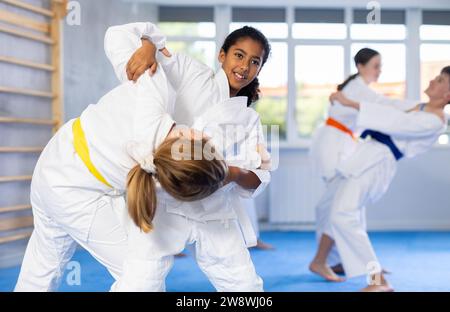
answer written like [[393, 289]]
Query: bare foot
[[263, 246], [325, 271], [378, 288]]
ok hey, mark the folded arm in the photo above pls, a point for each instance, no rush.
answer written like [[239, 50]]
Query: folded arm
[[397, 123]]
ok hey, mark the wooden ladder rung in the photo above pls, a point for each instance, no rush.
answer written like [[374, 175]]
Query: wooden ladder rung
[[7, 179], [29, 7], [27, 35], [26, 92], [14, 208], [21, 149], [15, 237], [16, 223], [22, 21], [12, 60], [32, 121]]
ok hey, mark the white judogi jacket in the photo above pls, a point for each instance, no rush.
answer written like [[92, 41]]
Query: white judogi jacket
[[412, 132], [127, 125], [330, 146], [197, 88], [359, 91]]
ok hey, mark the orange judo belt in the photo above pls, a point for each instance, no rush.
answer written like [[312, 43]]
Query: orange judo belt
[[336, 124]]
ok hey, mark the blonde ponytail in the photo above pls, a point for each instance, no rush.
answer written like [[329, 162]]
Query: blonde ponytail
[[185, 179], [141, 198]]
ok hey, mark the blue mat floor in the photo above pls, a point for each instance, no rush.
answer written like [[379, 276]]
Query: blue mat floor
[[419, 261]]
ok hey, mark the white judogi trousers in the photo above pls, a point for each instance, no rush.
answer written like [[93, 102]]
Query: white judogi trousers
[[65, 216], [50, 248], [220, 252], [347, 223], [323, 218], [250, 208]]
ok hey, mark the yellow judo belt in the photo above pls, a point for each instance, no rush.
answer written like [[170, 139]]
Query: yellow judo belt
[[82, 149]]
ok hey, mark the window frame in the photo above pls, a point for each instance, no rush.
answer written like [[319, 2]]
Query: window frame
[[412, 42]]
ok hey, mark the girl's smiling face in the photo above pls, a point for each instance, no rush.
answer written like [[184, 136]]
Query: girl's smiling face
[[242, 63]]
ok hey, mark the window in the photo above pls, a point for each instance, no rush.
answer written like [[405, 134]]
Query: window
[[318, 69], [204, 51], [270, 30], [436, 25], [319, 24], [270, 21], [187, 29], [272, 106], [378, 31], [319, 63], [391, 26], [322, 42], [319, 31], [190, 30], [187, 21], [435, 32]]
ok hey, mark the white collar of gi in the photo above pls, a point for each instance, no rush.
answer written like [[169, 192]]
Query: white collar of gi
[[222, 82], [236, 103]]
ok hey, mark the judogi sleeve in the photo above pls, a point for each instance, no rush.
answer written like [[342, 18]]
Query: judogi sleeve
[[369, 95], [234, 112], [397, 123], [263, 174]]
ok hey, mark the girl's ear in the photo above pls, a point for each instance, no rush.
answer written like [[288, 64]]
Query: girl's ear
[[221, 56]]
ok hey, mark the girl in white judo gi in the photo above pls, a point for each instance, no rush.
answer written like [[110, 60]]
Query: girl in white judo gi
[[217, 225], [365, 176], [123, 143], [334, 142]]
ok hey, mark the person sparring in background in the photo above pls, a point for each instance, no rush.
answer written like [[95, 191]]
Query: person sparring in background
[[392, 134], [334, 142]]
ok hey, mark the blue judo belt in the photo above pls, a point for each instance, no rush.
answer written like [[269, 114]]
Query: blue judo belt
[[384, 139]]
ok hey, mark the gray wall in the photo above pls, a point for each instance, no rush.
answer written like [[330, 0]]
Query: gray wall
[[87, 73]]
